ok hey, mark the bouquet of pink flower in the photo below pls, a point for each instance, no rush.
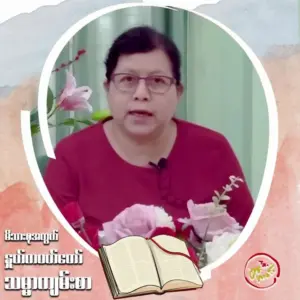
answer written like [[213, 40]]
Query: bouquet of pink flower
[[208, 224], [208, 232], [147, 221], [214, 230], [141, 220]]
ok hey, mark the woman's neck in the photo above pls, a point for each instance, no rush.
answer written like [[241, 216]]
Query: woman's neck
[[140, 151]]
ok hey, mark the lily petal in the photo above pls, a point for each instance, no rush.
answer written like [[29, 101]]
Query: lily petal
[[69, 88], [71, 81], [76, 99], [83, 91], [75, 104]]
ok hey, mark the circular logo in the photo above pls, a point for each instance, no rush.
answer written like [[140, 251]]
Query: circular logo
[[262, 271]]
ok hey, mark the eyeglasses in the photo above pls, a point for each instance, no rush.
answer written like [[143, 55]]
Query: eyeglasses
[[128, 82]]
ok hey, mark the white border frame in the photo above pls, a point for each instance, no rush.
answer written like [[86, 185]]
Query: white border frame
[[42, 95]]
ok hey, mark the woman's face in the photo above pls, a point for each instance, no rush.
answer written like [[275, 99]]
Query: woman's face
[[143, 108]]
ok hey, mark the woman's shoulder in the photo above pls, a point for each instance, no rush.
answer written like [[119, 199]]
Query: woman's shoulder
[[82, 140], [196, 134], [212, 146]]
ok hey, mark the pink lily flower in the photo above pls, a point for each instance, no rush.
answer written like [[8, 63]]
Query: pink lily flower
[[209, 220], [74, 98]]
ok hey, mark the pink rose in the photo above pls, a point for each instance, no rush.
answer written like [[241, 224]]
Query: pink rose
[[137, 220], [74, 98], [211, 218]]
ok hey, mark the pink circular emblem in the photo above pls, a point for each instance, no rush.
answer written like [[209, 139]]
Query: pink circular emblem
[[262, 271]]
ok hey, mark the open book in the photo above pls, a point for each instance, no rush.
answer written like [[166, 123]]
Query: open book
[[137, 266]]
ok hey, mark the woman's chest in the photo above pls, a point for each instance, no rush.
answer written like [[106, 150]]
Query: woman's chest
[[105, 195]]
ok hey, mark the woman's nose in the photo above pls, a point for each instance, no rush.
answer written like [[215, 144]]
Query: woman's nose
[[142, 91]]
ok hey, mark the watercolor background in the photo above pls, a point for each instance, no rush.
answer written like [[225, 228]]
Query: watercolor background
[[271, 29]]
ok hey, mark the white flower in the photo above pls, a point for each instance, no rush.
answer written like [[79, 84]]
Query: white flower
[[219, 245], [163, 219]]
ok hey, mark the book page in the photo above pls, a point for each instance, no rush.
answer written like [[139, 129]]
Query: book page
[[132, 264], [173, 267]]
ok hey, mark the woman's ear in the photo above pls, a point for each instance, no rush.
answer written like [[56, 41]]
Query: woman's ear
[[180, 90], [106, 85]]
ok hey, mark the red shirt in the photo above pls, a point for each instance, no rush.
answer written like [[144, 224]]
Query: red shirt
[[88, 170]]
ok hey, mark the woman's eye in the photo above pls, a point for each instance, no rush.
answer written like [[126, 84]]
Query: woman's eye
[[128, 78], [158, 80]]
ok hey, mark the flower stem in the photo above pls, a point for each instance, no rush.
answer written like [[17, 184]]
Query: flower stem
[[232, 182], [51, 113], [65, 65]]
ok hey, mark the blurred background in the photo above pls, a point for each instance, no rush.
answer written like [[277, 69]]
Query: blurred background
[[222, 89]]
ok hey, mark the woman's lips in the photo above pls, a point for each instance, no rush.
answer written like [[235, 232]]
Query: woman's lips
[[140, 116], [141, 113]]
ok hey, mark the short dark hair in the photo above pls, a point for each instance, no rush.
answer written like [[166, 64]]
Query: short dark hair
[[142, 39]]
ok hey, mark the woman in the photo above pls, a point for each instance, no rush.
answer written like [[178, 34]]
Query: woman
[[143, 154]]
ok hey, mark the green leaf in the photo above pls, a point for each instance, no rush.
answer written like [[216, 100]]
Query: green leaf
[[76, 127], [35, 128], [73, 122], [86, 122], [42, 163], [50, 100], [100, 115], [69, 122], [34, 116]]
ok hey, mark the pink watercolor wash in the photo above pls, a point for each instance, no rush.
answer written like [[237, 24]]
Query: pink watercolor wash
[[277, 232]]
